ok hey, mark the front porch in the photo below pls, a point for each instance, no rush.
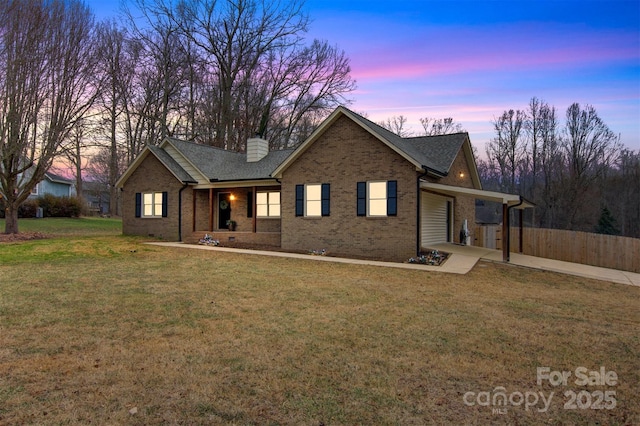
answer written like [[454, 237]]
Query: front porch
[[256, 224]]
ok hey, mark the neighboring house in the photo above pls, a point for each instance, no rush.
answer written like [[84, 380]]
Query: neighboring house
[[352, 188], [54, 185], [96, 196]]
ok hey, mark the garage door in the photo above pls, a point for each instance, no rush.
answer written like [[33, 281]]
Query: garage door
[[434, 219]]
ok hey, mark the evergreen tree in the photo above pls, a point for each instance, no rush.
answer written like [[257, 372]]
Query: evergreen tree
[[607, 223]]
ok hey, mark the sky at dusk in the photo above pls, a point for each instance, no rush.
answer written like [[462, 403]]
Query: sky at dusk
[[472, 60]]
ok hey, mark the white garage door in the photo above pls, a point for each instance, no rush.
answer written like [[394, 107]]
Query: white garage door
[[434, 219]]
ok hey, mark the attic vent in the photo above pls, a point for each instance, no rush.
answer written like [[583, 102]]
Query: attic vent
[[257, 149]]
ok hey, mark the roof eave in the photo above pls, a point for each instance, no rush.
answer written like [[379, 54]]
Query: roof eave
[[169, 141], [339, 111]]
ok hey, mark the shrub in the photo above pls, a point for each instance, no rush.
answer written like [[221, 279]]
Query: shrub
[[26, 210], [53, 206]]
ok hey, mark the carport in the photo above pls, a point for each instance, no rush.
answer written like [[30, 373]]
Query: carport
[[508, 201]]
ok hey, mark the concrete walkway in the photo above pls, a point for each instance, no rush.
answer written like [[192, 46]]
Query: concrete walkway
[[461, 261], [570, 268], [455, 264]]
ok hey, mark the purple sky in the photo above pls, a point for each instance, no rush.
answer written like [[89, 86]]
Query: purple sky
[[471, 60]]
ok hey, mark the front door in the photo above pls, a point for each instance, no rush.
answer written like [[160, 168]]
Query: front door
[[224, 209]]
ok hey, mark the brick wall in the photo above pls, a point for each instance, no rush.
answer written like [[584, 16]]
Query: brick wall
[[151, 176], [463, 207], [344, 155], [238, 206]]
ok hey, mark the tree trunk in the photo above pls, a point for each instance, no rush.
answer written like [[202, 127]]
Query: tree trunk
[[11, 217]]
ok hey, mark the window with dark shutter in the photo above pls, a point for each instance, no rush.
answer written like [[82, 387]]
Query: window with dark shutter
[[165, 204], [138, 204], [362, 198], [392, 198], [326, 205], [299, 200], [250, 204]]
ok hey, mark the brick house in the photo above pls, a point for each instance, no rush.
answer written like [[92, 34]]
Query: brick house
[[352, 188]]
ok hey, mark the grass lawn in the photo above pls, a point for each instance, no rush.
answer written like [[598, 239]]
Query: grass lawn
[[100, 328]]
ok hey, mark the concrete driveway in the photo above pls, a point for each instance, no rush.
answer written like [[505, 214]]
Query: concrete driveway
[[577, 269]]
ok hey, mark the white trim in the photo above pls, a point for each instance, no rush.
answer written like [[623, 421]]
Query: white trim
[[154, 205], [306, 200], [237, 184], [269, 205], [369, 198], [183, 161], [501, 197]]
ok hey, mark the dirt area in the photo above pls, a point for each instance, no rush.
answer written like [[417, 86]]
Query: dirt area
[[22, 236]]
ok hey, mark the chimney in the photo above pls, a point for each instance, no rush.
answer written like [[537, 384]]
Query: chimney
[[257, 149]]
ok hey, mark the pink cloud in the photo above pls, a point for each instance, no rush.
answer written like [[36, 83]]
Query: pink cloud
[[463, 51]]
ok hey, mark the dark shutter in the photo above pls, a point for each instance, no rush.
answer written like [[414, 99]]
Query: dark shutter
[[299, 200], [138, 204], [250, 204], [392, 198], [164, 204], [362, 198], [325, 199]]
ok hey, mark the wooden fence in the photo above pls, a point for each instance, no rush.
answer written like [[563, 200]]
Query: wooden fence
[[608, 251]]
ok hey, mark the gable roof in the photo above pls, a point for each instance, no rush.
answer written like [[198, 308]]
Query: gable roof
[[201, 164], [218, 164], [57, 179], [433, 154], [195, 163]]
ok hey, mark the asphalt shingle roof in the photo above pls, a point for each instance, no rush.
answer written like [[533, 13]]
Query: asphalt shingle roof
[[435, 152], [220, 164], [171, 164]]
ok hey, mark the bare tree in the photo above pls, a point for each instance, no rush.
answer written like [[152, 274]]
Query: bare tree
[[552, 165], [300, 83], [396, 124], [74, 153], [622, 192], [507, 148], [590, 149], [257, 74], [440, 126], [46, 85]]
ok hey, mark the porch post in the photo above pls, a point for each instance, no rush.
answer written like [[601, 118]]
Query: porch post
[[193, 196], [505, 233], [210, 209], [254, 209], [521, 245]]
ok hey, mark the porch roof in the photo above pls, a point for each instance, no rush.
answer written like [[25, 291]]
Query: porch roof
[[512, 200]]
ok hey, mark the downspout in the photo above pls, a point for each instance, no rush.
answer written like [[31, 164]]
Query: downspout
[[185, 186], [508, 239], [418, 210]]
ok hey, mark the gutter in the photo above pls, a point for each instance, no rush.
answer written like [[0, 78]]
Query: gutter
[[508, 239], [418, 210], [215, 180], [434, 172]]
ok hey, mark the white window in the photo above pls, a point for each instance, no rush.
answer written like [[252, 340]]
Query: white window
[[152, 204], [377, 198], [313, 200], [34, 190], [268, 204]]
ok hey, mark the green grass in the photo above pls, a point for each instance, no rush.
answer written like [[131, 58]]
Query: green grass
[[94, 326], [84, 226]]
